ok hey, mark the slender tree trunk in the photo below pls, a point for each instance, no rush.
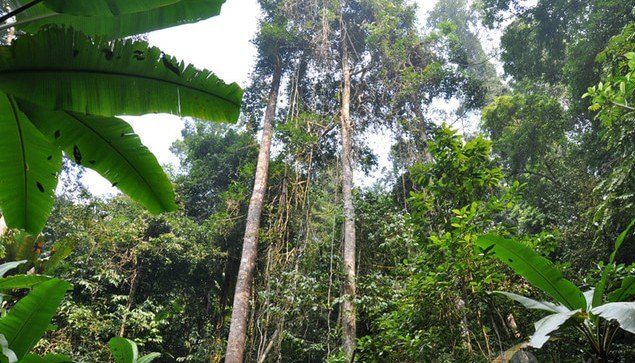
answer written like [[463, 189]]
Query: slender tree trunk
[[240, 311], [348, 250]]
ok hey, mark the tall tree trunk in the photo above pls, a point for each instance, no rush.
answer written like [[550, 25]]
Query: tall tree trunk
[[348, 250], [240, 310]]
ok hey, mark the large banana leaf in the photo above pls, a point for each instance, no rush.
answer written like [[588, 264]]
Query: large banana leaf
[[547, 325], [64, 70], [8, 266], [21, 281], [104, 24], [539, 271], [109, 146], [622, 312], [28, 169], [27, 321], [535, 304], [105, 7]]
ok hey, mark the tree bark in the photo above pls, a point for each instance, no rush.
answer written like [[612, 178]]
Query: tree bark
[[240, 311], [348, 251]]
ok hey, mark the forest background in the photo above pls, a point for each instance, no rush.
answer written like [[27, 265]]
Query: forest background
[[548, 167]]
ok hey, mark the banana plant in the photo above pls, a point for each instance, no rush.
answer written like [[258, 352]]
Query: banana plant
[[62, 87], [112, 18], [26, 322], [590, 312]]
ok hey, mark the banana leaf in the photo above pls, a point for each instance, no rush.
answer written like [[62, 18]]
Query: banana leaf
[[105, 24], [61, 69], [534, 304], [547, 325], [8, 266], [28, 169], [27, 321], [104, 7], [21, 281], [109, 146], [536, 269], [622, 312]]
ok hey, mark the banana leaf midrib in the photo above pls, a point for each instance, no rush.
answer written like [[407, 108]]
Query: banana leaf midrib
[[555, 289], [123, 156], [59, 71], [25, 166]]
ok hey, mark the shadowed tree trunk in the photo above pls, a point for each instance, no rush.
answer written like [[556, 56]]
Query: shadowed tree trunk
[[348, 250], [240, 311]]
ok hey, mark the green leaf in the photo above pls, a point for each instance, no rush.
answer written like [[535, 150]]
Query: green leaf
[[8, 266], [148, 358], [60, 69], [601, 285], [28, 170], [626, 290], [27, 321], [539, 271], [177, 13], [623, 312], [534, 304], [109, 146], [21, 281], [108, 8], [123, 350], [547, 325]]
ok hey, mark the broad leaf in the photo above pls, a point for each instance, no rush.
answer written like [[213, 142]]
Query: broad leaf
[[623, 312], [177, 13], [109, 146], [108, 8], [123, 350], [547, 325], [8, 266], [539, 271], [27, 321], [64, 70], [21, 281], [626, 290], [28, 170], [535, 304], [601, 285]]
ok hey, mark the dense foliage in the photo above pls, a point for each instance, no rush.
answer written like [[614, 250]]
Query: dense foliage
[[536, 205]]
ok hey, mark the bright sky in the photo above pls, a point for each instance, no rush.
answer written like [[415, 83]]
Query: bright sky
[[221, 44]]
